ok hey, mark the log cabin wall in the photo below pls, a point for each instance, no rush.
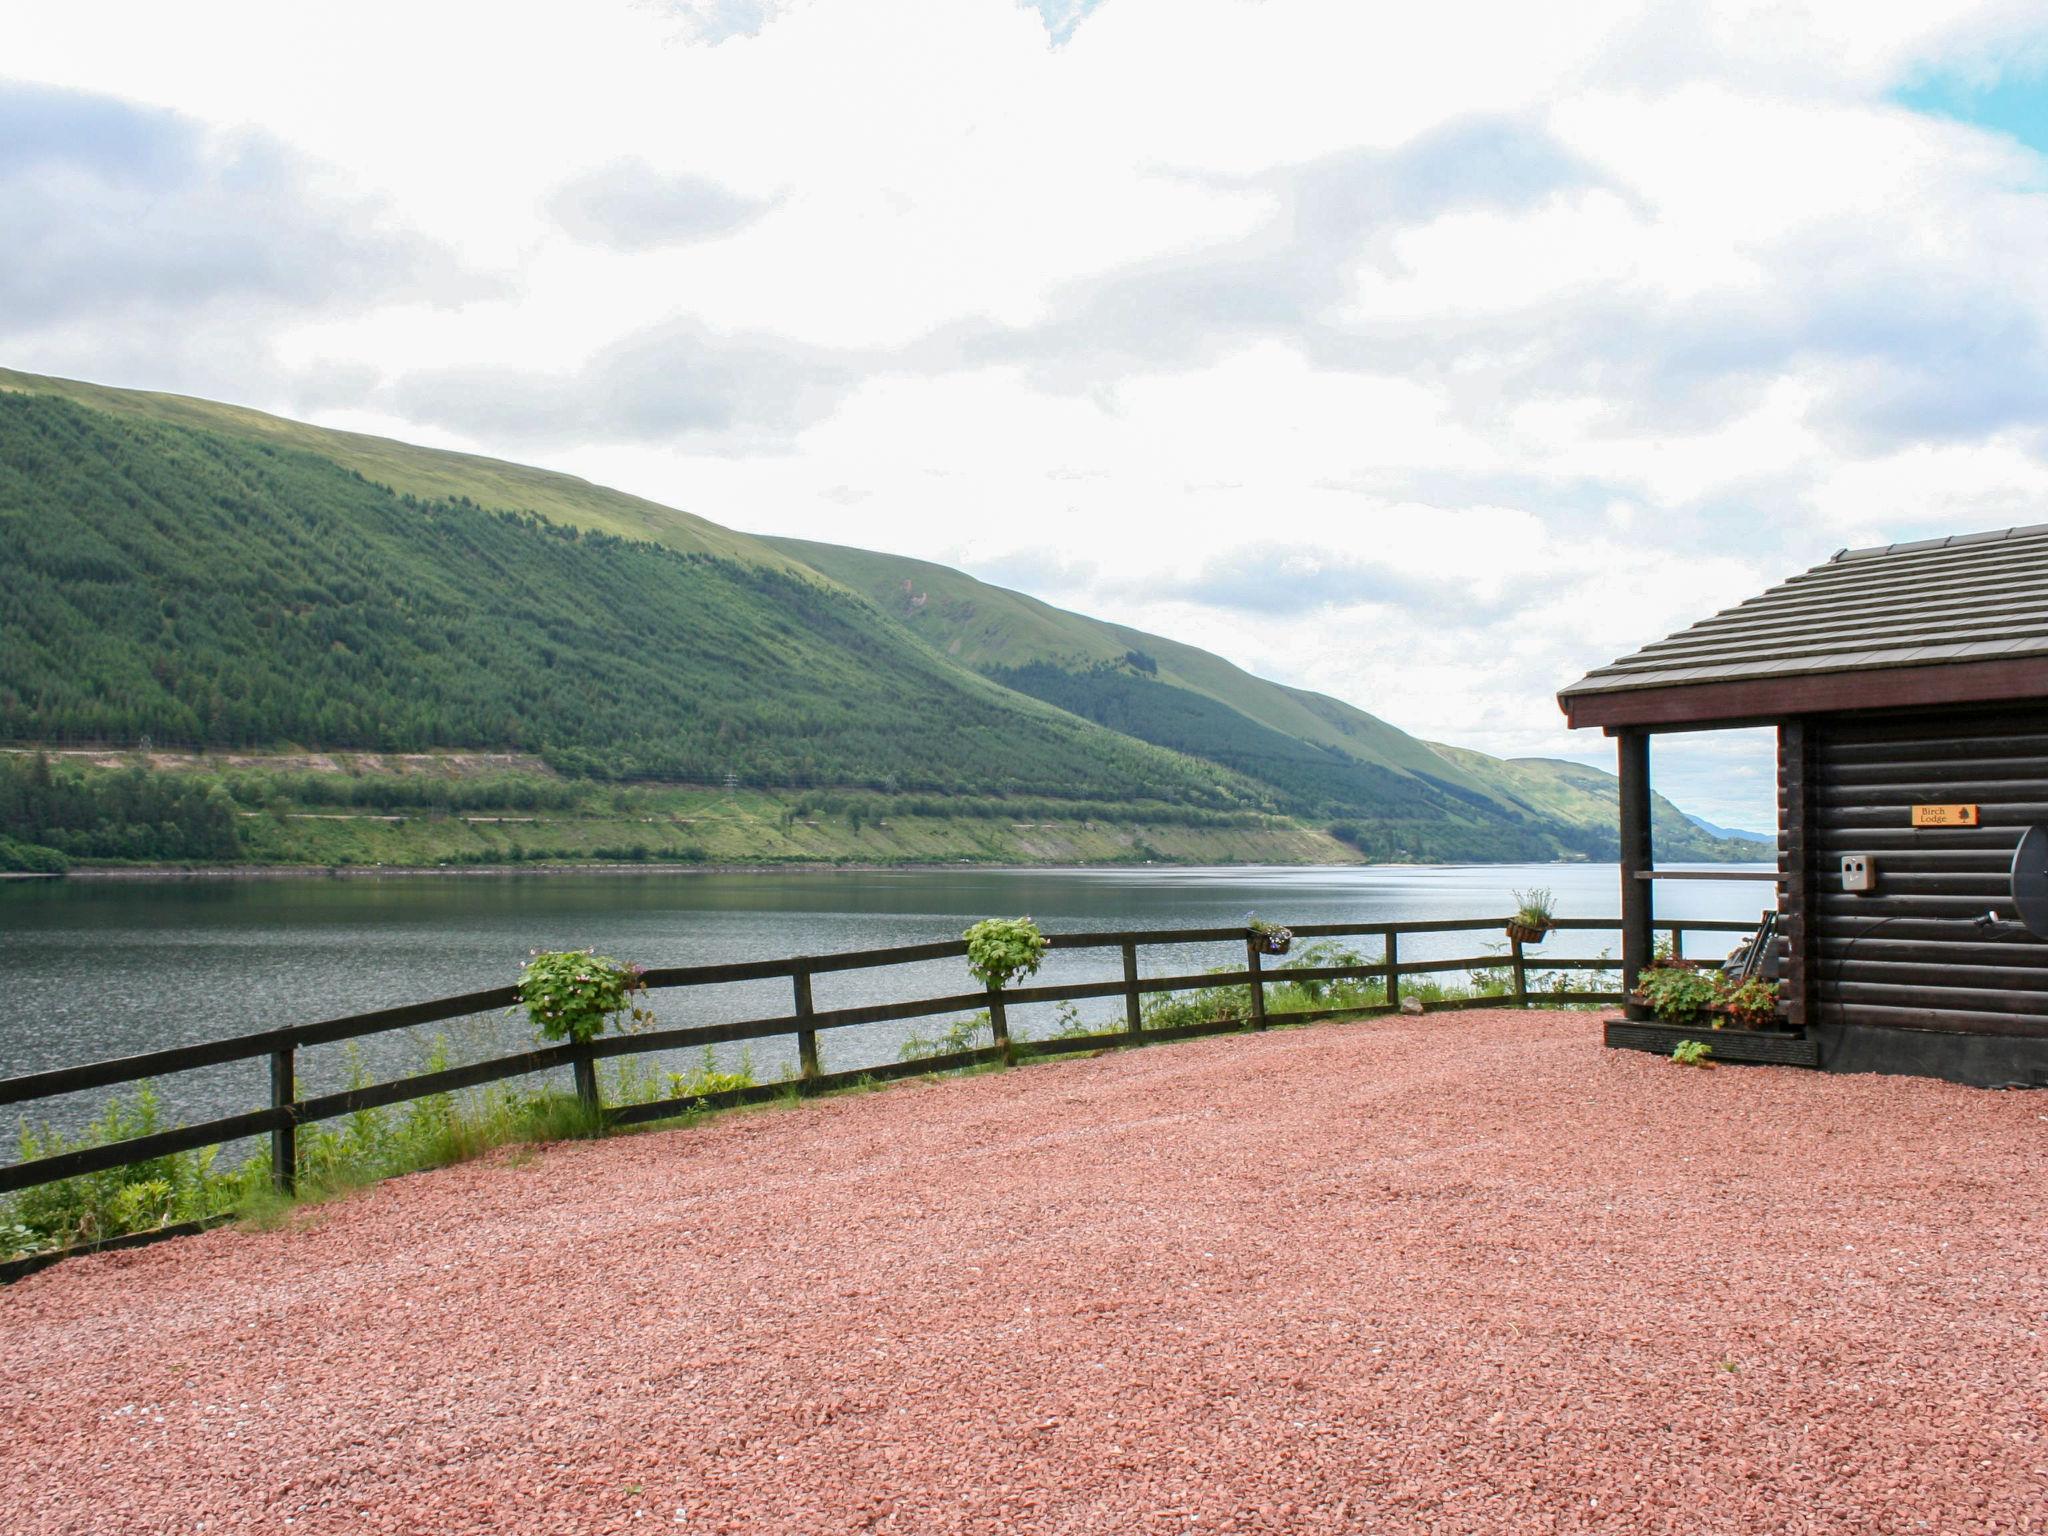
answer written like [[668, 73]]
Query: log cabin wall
[[1909, 956]]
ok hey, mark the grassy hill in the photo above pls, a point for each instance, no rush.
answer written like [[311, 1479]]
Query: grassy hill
[[1591, 798], [203, 576], [1320, 756]]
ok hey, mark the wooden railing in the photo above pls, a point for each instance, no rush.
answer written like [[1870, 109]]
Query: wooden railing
[[286, 1111]]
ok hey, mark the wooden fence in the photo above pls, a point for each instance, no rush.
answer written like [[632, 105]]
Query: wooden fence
[[286, 1111]]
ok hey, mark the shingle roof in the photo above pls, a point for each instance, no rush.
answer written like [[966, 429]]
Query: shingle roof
[[1973, 597]]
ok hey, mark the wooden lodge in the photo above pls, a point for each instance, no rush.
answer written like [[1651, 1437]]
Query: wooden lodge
[[1909, 688]]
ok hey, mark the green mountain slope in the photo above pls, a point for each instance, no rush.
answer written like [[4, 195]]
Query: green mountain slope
[[994, 629], [209, 576], [430, 474], [1318, 755], [1591, 798], [203, 590]]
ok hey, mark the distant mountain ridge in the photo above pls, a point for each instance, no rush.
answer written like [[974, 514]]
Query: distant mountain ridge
[[1712, 830], [205, 575]]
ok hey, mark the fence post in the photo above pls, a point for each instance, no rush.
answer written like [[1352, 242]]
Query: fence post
[[1134, 1021], [1677, 942], [806, 1039], [1393, 960], [585, 1065], [284, 1140], [1521, 975], [1253, 964], [999, 1024]]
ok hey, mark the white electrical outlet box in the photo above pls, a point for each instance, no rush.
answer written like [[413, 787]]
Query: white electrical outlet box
[[1859, 874]]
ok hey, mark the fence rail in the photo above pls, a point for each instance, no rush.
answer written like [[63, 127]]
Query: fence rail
[[287, 1111]]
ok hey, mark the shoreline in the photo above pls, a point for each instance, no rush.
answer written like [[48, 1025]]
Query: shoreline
[[144, 873]]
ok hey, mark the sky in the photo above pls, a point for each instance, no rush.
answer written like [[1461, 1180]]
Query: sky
[[1424, 355]]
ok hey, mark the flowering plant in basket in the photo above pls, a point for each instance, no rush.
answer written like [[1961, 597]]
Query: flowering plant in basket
[[1535, 914], [1271, 938]]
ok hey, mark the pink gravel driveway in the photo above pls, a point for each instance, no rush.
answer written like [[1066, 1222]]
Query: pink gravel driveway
[[1469, 1273]]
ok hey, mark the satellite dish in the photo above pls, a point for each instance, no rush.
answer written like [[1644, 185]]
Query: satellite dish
[[2030, 881]]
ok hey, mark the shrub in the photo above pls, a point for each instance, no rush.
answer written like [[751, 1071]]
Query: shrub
[[572, 994], [1000, 949], [31, 858]]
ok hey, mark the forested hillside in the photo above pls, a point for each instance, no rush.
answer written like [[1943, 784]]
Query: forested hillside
[[188, 575], [180, 586]]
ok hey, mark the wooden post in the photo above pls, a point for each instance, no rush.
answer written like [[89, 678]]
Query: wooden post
[[1256, 966], [585, 1066], [999, 1024], [1521, 975], [1677, 942], [1632, 749], [806, 1039], [1393, 962], [284, 1141], [1134, 1020]]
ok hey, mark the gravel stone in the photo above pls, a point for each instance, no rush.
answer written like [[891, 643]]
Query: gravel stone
[[1464, 1273]]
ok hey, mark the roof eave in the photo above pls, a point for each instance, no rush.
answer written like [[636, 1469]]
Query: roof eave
[[1761, 701]]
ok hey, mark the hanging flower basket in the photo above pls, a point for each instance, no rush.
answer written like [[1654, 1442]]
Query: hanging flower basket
[[1269, 938], [1531, 921]]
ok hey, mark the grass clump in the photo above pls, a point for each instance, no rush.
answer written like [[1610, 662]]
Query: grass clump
[[952, 1038], [138, 1197]]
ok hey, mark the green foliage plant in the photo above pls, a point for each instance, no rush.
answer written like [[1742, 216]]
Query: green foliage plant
[[572, 994], [1692, 1053], [1677, 991], [709, 1080], [1000, 949], [957, 1038], [1070, 1025], [137, 1197]]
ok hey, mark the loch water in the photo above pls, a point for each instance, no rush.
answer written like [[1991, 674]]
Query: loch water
[[90, 969]]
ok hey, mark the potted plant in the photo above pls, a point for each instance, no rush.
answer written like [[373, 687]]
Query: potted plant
[[1677, 991], [1752, 1003], [1535, 915], [1684, 997], [1268, 938]]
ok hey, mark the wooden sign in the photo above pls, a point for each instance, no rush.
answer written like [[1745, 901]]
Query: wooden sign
[[1944, 816]]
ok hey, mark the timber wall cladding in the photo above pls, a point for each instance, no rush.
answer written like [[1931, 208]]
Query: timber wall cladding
[[1910, 956]]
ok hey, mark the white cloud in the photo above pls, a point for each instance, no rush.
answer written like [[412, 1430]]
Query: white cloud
[[1505, 337]]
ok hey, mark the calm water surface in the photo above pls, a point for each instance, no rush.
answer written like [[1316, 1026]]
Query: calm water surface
[[91, 969]]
